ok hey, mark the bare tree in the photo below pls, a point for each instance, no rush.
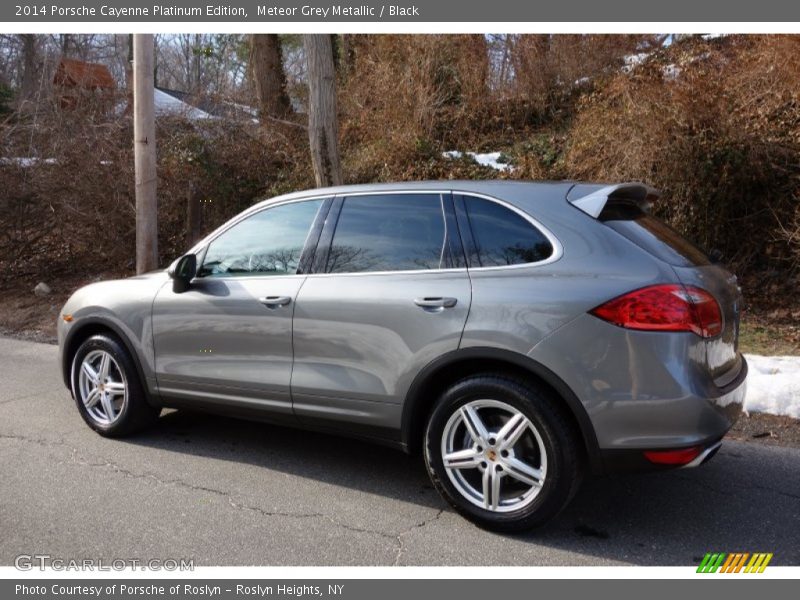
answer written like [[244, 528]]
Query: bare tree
[[32, 69], [269, 78], [323, 124], [129, 71], [202, 64]]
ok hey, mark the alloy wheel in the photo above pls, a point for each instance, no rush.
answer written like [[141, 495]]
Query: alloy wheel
[[102, 387], [494, 455]]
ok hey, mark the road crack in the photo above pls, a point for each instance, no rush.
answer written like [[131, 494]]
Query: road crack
[[44, 442], [401, 547], [76, 458], [272, 513]]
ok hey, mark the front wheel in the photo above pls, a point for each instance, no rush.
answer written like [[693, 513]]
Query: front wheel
[[107, 389], [502, 453]]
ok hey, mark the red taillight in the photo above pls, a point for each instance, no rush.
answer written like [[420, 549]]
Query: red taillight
[[665, 308], [673, 457]]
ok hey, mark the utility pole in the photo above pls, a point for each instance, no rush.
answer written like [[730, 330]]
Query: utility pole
[[144, 147]]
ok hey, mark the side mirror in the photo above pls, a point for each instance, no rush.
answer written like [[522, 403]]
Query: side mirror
[[182, 271]]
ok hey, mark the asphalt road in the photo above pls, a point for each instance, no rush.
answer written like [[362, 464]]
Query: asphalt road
[[228, 492]]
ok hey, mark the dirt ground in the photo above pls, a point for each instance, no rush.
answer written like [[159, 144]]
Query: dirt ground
[[770, 430], [27, 316]]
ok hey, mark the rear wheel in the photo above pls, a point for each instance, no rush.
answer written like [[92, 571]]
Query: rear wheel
[[107, 389], [502, 453]]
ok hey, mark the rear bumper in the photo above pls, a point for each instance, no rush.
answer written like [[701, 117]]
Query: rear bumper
[[642, 391], [705, 456], [634, 461], [728, 405]]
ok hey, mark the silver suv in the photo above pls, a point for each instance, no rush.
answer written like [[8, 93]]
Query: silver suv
[[518, 334]]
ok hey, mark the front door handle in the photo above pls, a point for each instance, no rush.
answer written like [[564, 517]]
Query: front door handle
[[428, 302], [275, 301]]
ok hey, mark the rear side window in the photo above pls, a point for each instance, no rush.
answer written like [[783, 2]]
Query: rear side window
[[652, 235], [389, 232], [501, 237]]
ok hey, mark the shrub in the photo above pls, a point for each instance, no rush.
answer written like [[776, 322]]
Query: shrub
[[720, 140]]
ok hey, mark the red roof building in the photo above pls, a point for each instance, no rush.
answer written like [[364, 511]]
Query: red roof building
[[83, 81]]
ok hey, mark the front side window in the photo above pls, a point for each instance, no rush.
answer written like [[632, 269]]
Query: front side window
[[390, 232], [502, 237], [266, 243]]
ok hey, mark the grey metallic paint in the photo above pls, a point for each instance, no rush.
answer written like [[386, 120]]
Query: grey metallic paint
[[348, 351]]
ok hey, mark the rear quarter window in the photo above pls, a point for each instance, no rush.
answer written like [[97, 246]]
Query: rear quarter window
[[652, 234], [502, 237]]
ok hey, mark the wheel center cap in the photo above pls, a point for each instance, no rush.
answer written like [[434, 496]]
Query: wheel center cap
[[101, 387], [491, 454]]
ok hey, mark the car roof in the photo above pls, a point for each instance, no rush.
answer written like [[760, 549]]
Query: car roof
[[537, 198], [492, 187]]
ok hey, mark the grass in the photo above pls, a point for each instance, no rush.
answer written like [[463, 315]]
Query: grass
[[759, 335]]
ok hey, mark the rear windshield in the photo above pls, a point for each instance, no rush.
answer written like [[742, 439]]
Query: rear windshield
[[652, 234]]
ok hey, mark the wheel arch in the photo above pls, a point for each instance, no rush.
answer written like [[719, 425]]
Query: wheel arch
[[93, 326], [436, 376]]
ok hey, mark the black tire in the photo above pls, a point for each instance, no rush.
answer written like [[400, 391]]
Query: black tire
[[136, 412], [560, 441]]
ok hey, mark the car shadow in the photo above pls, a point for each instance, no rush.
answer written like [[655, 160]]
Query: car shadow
[[745, 500]]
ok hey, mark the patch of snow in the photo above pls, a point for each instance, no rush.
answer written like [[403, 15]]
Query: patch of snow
[[714, 36], [31, 161], [487, 159], [26, 161], [167, 105], [634, 60], [253, 112], [582, 81], [773, 385]]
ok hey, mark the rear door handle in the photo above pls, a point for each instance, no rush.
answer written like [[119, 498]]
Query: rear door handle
[[275, 301], [428, 302]]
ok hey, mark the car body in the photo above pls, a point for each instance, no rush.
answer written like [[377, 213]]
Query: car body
[[355, 309]]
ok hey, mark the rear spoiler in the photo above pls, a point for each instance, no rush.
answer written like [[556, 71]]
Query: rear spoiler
[[591, 199]]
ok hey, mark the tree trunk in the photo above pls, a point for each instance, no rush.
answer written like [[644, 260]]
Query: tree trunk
[[129, 75], [31, 72], [504, 63], [66, 44], [269, 79], [144, 146], [336, 51], [323, 127], [196, 73]]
